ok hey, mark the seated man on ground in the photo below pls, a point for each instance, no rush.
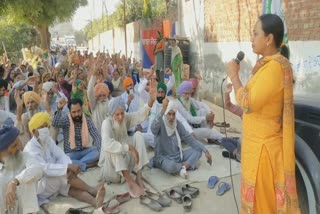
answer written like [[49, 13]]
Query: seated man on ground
[[17, 182], [169, 133], [197, 114], [121, 154], [60, 175], [76, 128], [156, 110]]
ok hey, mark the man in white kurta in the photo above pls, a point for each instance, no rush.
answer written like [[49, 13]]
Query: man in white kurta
[[156, 110], [98, 97], [197, 114], [121, 153], [60, 175], [17, 182]]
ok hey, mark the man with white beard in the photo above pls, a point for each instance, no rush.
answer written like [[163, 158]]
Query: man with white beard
[[169, 133], [31, 101], [60, 175], [98, 98], [120, 153], [156, 110], [197, 114], [17, 182]]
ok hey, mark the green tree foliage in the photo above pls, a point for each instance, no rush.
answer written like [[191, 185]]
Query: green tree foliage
[[134, 10], [14, 37], [40, 14], [147, 11]]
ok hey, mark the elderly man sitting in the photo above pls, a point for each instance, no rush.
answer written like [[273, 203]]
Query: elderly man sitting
[[121, 153], [98, 97], [17, 182], [60, 175], [197, 114], [169, 133], [31, 101]]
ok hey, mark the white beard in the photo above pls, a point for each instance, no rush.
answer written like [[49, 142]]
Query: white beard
[[120, 131], [15, 162], [170, 127], [186, 103], [32, 112], [102, 108]]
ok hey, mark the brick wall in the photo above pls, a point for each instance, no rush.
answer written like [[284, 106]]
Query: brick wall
[[222, 19]]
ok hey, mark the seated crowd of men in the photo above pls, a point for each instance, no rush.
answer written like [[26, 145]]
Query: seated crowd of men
[[103, 117]]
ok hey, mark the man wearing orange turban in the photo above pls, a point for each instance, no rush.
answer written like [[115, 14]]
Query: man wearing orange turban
[[31, 101], [127, 83], [98, 96]]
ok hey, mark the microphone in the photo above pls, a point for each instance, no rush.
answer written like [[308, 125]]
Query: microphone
[[238, 59]]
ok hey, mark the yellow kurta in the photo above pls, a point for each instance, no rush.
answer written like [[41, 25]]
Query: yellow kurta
[[268, 177]]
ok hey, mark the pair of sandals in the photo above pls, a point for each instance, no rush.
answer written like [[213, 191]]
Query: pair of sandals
[[183, 195], [112, 206], [154, 201], [223, 187]]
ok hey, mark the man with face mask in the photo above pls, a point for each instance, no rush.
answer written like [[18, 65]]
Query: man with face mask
[[98, 98], [31, 100], [17, 182], [169, 133], [121, 154], [76, 128], [60, 175]]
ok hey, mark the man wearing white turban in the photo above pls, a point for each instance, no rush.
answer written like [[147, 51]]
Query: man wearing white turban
[[169, 133], [121, 153]]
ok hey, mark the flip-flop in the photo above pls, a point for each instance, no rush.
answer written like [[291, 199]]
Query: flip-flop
[[183, 190], [223, 188], [212, 181]]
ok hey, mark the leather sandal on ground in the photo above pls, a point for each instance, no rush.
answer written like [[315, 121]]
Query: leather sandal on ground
[[187, 203], [152, 204], [162, 200], [174, 196], [187, 190], [76, 211]]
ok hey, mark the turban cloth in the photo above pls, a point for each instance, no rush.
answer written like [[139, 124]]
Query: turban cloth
[[8, 135], [194, 82], [39, 119], [116, 103], [162, 86], [101, 88], [31, 95], [47, 86], [127, 81], [109, 84], [184, 86], [171, 106], [45, 75]]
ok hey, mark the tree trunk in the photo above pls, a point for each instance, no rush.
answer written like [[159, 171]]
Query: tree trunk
[[44, 36]]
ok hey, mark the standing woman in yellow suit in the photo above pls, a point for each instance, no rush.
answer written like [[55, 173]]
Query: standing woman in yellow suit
[[268, 182]]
